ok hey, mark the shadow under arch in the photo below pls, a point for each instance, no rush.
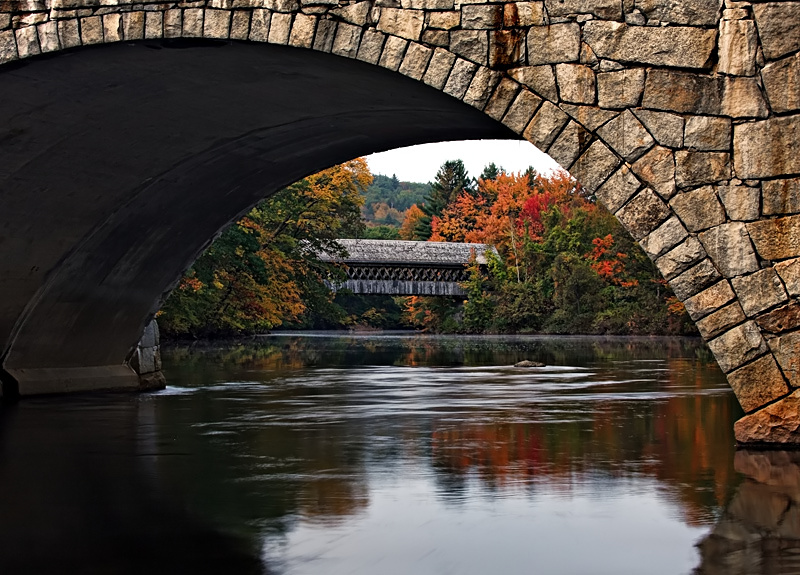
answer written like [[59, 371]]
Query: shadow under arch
[[123, 161]]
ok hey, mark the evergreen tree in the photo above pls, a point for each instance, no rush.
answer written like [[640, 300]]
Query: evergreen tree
[[491, 172], [451, 180]]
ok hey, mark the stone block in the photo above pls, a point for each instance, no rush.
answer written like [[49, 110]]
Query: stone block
[[775, 423], [786, 349], [657, 168], [621, 89], [569, 144], [393, 52], [618, 189], [759, 291], [776, 239], [698, 168], [439, 68], [501, 99], [357, 14], [440, 38], [428, 4], [521, 110], [415, 61], [545, 126], [259, 26], [69, 37], [460, 78], [554, 44], [742, 203], [594, 166], [742, 98], [481, 87], [302, 34], [694, 280], [689, 93], [48, 35], [154, 24], [767, 149], [280, 26], [627, 136], [643, 213], [758, 383], [785, 318], [707, 133], [721, 320], [678, 47], [777, 28], [217, 23], [790, 274], [694, 13], [444, 20], [576, 83], [606, 9], [699, 209], [403, 23], [782, 82], [471, 44], [540, 79], [663, 238], [173, 23], [590, 117], [730, 248], [27, 42], [737, 346], [481, 16], [666, 128], [506, 48], [523, 14], [192, 23], [681, 258], [371, 46], [738, 43]]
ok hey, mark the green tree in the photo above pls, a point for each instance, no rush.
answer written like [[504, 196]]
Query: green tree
[[451, 180]]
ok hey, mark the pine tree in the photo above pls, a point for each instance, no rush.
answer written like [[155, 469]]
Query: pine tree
[[451, 180]]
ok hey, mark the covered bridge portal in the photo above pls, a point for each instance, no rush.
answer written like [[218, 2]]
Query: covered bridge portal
[[396, 267]]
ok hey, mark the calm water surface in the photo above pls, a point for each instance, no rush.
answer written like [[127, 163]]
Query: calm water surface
[[360, 454]]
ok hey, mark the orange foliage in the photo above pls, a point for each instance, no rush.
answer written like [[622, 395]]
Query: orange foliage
[[412, 216]]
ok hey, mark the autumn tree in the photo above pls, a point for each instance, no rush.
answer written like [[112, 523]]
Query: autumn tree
[[263, 270], [410, 220], [451, 180]]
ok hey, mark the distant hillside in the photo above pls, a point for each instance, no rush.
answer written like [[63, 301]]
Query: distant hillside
[[387, 199]]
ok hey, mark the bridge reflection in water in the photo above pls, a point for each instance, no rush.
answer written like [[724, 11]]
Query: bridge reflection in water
[[759, 532]]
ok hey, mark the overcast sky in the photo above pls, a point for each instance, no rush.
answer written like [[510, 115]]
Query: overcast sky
[[420, 163]]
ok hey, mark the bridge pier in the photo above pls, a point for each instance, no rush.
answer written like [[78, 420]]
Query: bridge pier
[[141, 372]]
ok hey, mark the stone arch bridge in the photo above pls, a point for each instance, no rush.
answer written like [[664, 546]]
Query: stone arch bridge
[[131, 132]]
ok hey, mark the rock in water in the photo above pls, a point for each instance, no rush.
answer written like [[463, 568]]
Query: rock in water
[[527, 363]]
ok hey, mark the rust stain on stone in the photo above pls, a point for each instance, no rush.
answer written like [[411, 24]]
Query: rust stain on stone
[[781, 319], [505, 49]]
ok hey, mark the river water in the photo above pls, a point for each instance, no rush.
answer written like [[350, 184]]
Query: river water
[[400, 454]]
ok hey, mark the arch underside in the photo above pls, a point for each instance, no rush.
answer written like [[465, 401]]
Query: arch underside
[[683, 118], [121, 162]]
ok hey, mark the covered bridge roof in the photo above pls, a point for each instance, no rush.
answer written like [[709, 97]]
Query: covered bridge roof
[[408, 252]]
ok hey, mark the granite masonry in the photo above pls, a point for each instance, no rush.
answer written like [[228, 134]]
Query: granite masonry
[[682, 117]]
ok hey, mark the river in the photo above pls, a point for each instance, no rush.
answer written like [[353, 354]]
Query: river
[[328, 454]]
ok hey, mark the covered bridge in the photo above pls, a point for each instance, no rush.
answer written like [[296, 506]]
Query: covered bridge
[[396, 267]]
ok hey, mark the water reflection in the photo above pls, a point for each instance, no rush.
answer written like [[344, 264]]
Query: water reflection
[[759, 532], [296, 454]]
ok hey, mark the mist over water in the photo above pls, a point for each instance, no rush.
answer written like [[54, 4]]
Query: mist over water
[[396, 453]]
